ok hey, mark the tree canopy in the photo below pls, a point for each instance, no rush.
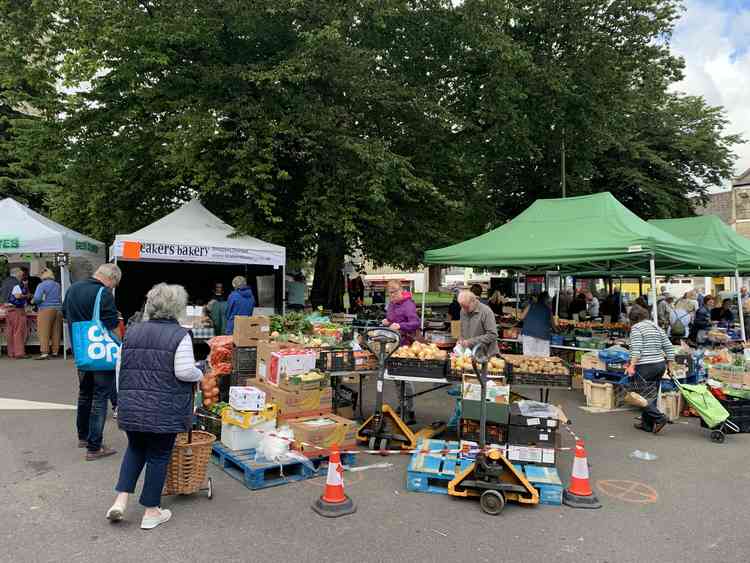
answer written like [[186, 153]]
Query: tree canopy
[[381, 126]]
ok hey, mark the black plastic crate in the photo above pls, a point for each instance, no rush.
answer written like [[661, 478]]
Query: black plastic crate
[[335, 360], [737, 407], [539, 379], [411, 367], [224, 382], [239, 380], [346, 396], [245, 360], [207, 421]]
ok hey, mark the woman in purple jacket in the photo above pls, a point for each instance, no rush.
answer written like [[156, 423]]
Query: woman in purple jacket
[[402, 313], [402, 316]]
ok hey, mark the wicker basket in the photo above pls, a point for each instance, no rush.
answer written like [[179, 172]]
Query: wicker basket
[[186, 473]]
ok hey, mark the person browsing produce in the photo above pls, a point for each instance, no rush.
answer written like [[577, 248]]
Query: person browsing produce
[[702, 321], [155, 376], [241, 302], [402, 313], [478, 324], [402, 316], [538, 323], [650, 353]]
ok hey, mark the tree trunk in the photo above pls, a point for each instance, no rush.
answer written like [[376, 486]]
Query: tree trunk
[[434, 278], [328, 282]]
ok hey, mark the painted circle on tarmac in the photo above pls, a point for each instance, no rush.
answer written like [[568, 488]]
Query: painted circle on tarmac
[[633, 492]]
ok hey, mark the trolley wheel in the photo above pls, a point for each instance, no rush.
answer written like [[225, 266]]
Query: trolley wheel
[[717, 436], [371, 443], [210, 492], [384, 443], [492, 502]]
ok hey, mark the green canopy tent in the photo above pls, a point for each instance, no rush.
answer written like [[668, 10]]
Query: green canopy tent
[[710, 232], [586, 233]]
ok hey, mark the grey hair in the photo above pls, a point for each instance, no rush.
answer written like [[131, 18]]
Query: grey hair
[[166, 302], [110, 271], [467, 297], [238, 282], [15, 272]]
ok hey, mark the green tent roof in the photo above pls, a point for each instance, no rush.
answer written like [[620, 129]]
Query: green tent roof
[[708, 231], [586, 233]]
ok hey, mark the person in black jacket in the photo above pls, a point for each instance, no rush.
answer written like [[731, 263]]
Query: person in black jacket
[[702, 321], [94, 387]]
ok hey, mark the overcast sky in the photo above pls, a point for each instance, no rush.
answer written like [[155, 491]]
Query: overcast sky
[[714, 38]]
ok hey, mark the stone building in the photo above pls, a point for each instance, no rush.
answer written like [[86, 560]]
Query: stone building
[[732, 206]]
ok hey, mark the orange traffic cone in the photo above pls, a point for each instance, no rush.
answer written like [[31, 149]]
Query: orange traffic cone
[[579, 493], [334, 501]]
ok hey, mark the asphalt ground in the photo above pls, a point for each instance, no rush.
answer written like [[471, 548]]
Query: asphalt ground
[[690, 504]]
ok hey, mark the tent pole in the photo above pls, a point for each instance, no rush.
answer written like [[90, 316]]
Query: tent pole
[[518, 293], [283, 290], [64, 287], [740, 312], [559, 289], [424, 298], [652, 265]]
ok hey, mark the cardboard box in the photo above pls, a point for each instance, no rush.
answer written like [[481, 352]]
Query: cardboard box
[[249, 330], [305, 381], [493, 432], [517, 419], [247, 398], [531, 436], [265, 351], [297, 402], [289, 363], [323, 431], [456, 329], [532, 454], [497, 391]]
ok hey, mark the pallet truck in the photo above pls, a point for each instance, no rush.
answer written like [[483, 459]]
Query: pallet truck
[[491, 477], [385, 427]]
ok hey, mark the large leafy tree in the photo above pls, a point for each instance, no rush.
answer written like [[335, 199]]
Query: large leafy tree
[[383, 126]]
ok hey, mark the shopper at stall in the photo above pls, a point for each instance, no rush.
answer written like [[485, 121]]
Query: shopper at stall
[[664, 309], [477, 290], [454, 309], [578, 306], [48, 299], [701, 321], [217, 309], [402, 316], [650, 353], [95, 388], [478, 324], [566, 300], [496, 302], [592, 305], [538, 323], [155, 377], [241, 302], [724, 313], [17, 327]]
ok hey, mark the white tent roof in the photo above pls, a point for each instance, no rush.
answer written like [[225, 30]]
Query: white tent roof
[[193, 234], [24, 231]]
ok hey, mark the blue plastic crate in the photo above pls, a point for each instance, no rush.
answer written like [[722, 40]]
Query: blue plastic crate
[[607, 376], [432, 472], [557, 340], [547, 481]]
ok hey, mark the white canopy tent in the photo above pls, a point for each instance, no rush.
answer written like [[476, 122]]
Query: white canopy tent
[[24, 232], [193, 234]]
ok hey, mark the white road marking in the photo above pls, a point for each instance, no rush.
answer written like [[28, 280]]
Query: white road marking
[[23, 405]]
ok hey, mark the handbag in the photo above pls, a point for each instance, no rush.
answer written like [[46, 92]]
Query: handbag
[[94, 347]]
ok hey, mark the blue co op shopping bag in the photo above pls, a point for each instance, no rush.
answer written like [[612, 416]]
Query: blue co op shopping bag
[[94, 348]]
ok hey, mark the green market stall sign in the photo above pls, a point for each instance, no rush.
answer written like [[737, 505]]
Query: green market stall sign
[[86, 246], [8, 242]]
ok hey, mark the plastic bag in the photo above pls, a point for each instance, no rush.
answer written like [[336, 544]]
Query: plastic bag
[[537, 409], [614, 354], [273, 448]]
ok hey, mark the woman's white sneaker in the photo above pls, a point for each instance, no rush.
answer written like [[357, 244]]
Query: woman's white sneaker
[[115, 513], [151, 522]]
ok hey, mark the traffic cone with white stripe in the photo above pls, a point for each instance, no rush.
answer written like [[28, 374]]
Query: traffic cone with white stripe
[[579, 493], [334, 502]]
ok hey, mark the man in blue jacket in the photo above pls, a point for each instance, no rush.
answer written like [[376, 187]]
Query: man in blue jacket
[[94, 387], [241, 302]]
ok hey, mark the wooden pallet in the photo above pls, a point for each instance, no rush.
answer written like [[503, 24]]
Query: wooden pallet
[[431, 472], [255, 475]]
